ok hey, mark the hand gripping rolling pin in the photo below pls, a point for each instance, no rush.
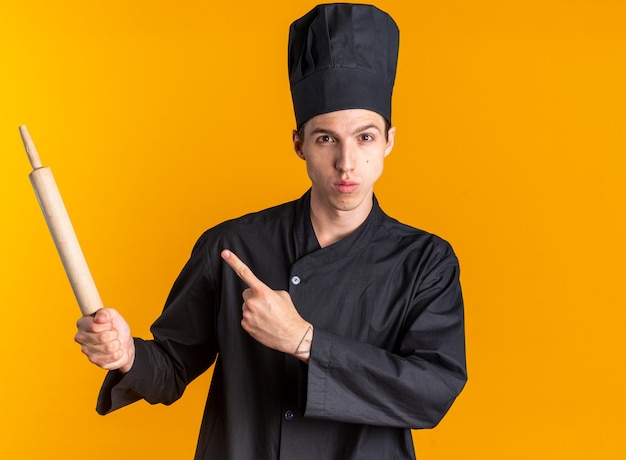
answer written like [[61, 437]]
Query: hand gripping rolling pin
[[62, 231]]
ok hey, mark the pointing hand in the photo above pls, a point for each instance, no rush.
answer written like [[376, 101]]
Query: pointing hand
[[269, 316]]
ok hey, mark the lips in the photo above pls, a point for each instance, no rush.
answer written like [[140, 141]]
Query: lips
[[346, 186]]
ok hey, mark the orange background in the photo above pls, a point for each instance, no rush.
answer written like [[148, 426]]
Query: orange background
[[160, 119]]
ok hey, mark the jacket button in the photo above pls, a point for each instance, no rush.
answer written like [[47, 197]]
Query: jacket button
[[289, 415], [295, 279]]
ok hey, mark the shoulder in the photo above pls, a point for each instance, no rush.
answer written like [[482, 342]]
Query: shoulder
[[252, 224], [407, 234], [266, 216], [416, 246]]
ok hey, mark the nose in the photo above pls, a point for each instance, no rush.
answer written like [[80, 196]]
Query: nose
[[346, 157]]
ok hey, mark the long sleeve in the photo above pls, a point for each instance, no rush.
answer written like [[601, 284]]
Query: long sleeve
[[388, 351], [184, 344], [411, 386]]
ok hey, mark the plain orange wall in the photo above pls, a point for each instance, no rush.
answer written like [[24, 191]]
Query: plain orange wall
[[160, 119]]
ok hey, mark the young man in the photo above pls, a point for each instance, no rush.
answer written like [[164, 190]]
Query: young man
[[351, 327]]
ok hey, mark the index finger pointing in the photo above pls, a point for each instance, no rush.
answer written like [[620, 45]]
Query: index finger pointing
[[242, 270]]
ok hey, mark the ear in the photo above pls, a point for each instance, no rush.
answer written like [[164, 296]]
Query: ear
[[297, 144], [391, 136]]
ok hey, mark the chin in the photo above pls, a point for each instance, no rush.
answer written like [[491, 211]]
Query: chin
[[346, 203]]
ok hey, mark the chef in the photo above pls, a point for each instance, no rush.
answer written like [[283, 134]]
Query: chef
[[334, 329]]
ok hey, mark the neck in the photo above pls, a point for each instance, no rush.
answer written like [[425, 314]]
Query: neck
[[332, 225]]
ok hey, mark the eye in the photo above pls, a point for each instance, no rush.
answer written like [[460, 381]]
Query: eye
[[367, 137], [324, 139]]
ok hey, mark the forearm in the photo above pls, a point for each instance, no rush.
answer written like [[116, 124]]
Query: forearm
[[355, 382], [156, 376]]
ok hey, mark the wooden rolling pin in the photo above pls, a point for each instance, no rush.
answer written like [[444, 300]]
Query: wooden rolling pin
[[62, 231]]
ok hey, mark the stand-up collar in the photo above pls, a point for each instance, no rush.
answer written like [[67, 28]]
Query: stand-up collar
[[306, 242]]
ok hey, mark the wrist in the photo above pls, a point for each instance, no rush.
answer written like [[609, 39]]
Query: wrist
[[303, 350], [126, 367]]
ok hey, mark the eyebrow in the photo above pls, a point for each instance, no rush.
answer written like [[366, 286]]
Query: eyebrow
[[359, 130]]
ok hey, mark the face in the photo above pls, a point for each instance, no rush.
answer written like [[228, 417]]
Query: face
[[344, 153]]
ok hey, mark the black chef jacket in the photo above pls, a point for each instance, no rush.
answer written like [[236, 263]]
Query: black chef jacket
[[388, 351]]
